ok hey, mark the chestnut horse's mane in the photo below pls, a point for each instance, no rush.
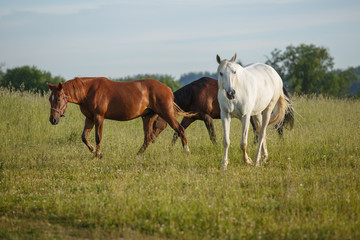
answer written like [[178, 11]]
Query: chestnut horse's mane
[[76, 88]]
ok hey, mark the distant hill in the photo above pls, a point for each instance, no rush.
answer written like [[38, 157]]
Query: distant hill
[[354, 89], [355, 86], [192, 76]]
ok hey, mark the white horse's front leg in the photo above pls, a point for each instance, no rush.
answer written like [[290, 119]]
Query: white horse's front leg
[[245, 121], [226, 120]]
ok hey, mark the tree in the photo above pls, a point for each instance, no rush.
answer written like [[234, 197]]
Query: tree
[[28, 78], [309, 69], [2, 73]]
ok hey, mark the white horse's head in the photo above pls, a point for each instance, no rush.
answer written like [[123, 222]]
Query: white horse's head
[[227, 76]]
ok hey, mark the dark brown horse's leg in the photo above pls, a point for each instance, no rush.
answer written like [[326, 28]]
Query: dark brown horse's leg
[[158, 126], [89, 124], [148, 121], [256, 124], [185, 123], [210, 127], [167, 113], [99, 120], [179, 130], [280, 129]]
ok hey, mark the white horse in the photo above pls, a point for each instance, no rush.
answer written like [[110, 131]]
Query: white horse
[[250, 91]]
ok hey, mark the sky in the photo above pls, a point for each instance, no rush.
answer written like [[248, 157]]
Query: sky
[[121, 38]]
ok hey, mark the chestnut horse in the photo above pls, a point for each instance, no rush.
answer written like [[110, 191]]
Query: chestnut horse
[[201, 97], [101, 98]]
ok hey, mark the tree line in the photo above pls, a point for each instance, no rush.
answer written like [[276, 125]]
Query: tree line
[[305, 69], [166, 79], [27, 78], [308, 69]]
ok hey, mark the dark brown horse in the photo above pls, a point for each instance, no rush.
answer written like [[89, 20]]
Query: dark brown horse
[[101, 98], [201, 97]]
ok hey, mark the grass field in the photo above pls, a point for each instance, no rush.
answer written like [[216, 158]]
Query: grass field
[[51, 187]]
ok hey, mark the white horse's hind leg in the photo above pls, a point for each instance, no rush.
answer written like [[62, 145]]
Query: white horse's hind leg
[[265, 151], [262, 136], [226, 119], [258, 121], [245, 121]]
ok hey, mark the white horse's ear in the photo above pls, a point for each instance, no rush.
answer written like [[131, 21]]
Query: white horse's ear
[[233, 59], [218, 59]]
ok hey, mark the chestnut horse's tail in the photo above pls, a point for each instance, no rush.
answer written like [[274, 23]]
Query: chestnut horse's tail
[[180, 112]]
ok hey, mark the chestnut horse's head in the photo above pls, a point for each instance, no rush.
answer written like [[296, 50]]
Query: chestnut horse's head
[[58, 102]]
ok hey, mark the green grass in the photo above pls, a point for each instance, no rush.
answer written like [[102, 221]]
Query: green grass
[[51, 187]]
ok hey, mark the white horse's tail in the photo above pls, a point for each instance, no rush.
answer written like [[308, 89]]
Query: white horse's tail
[[282, 106]]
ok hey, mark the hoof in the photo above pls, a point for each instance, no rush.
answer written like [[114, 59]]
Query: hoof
[[248, 161], [224, 168], [224, 164], [265, 159], [186, 149], [153, 139], [98, 155], [175, 137], [139, 158]]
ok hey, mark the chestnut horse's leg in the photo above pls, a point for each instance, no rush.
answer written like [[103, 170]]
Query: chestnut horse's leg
[[148, 121], [89, 124], [99, 120], [210, 127], [185, 123]]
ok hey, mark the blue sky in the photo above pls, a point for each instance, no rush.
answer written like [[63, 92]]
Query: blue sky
[[127, 37]]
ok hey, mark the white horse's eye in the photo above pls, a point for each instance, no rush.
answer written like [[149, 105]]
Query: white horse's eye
[[234, 72], [221, 73]]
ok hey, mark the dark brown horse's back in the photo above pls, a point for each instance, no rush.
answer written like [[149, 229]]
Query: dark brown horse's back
[[199, 96]]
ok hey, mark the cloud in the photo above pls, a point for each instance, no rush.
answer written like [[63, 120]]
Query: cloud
[[5, 12], [215, 2], [63, 9], [51, 9]]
